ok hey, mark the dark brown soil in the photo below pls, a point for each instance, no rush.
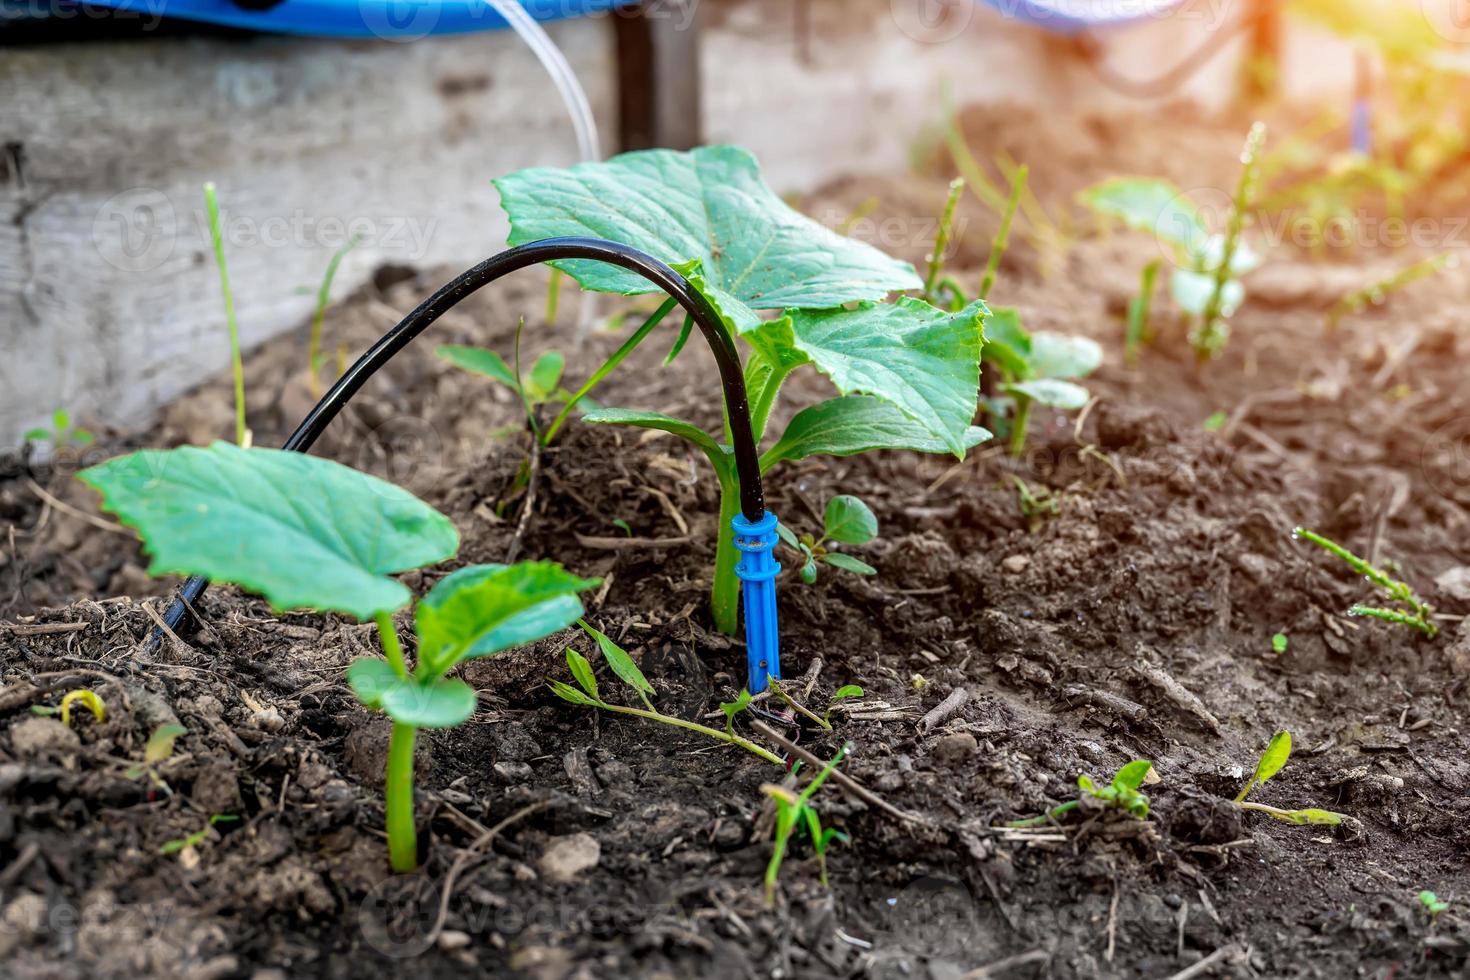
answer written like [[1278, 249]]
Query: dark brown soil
[[1167, 569]]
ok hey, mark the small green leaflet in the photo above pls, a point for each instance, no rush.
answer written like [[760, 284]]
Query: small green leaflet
[[545, 375], [437, 703], [161, 743], [849, 520], [484, 609], [1279, 643], [656, 420], [848, 563], [302, 531], [1150, 205], [569, 693], [1007, 343], [733, 708], [855, 424], [582, 672], [1271, 762], [1132, 775], [478, 360], [709, 205], [621, 663]]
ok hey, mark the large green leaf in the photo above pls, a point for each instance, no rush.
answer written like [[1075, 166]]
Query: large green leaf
[[855, 424], [665, 423], [438, 703], [1149, 204], [300, 530], [922, 360], [484, 609], [709, 204], [1056, 355]]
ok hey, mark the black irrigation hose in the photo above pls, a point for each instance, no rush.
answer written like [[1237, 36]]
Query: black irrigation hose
[[722, 345]]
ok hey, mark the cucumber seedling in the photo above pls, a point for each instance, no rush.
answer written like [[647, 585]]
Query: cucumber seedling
[[1270, 763], [1120, 794], [847, 520], [1039, 368], [1205, 283], [307, 533], [907, 373], [796, 812], [1417, 612]]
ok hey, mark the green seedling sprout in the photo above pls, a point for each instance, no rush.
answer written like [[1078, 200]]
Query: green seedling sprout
[[733, 708], [307, 533], [1419, 612], [89, 699], [1270, 763], [941, 241], [1216, 421], [158, 750], [1140, 309], [198, 837], [588, 694], [847, 520], [1120, 794], [1432, 904], [1036, 368], [539, 386], [1211, 332], [843, 693], [1279, 643], [323, 298], [237, 364], [907, 373], [1036, 505], [1003, 233], [1378, 292], [795, 812], [61, 433]]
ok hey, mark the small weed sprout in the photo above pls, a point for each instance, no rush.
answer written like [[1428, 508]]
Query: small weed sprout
[[538, 387], [795, 812], [588, 694], [1120, 794], [1270, 763], [62, 432], [1279, 643], [1216, 421], [847, 520], [1375, 294], [323, 299], [158, 750], [844, 693], [1037, 504], [198, 837], [237, 364], [1419, 612]]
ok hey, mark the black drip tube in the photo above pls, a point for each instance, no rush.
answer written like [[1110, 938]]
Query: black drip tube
[[722, 345]]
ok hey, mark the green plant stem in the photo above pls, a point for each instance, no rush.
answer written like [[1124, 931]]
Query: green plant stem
[[403, 843], [1139, 310], [941, 239], [1019, 422], [714, 733], [1212, 335], [766, 386], [1003, 234], [388, 636], [1047, 817], [323, 296], [1297, 817], [799, 708], [724, 600], [1394, 616], [237, 364], [553, 294], [607, 368]]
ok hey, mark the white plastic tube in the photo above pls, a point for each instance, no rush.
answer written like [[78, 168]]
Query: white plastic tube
[[562, 76]]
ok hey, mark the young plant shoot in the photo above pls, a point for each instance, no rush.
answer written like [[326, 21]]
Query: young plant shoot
[[1417, 613], [62, 432], [1120, 794], [1270, 763], [1205, 283], [1039, 368], [307, 533], [536, 388], [847, 521], [1377, 293], [237, 364], [795, 812], [907, 374]]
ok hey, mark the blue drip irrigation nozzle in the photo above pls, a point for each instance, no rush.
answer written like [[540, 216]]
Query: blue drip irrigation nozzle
[[757, 570]]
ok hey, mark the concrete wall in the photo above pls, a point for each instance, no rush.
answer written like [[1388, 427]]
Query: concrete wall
[[109, 304]]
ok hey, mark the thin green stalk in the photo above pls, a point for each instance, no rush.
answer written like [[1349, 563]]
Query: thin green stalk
[[724, 600], [388, 636], [1003, 234], [323, 296], [941, 240], [607, 368], [1047, 817], [237, 364], [1394, 616], [403, 842], [1019, 422], [692, 726], [798, 707], [553, 294], [1212, 334], [765, 387], [1139, 309]]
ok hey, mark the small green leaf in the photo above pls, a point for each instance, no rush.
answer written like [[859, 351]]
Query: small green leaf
[[484, 609], [847, 691], [36, 435], [582, 671], [848, 563], [370, 678], [688, 431], [161, 743], [1279, 643], [1274, 758], [1311, 815], [61, 419], [545, 375], [1049, 391], [856, 424], [788, 536], [680, 341], [849, 520], [1216, 421], [300, 530], [569, 693], [1055, 355], [82, 437], [809, 572], [1432, 903], [479, 361], [440, 703], [733, 708], [621, 663], [1132, 775]]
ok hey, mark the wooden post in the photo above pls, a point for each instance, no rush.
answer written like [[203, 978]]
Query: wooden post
[[658, 75]]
